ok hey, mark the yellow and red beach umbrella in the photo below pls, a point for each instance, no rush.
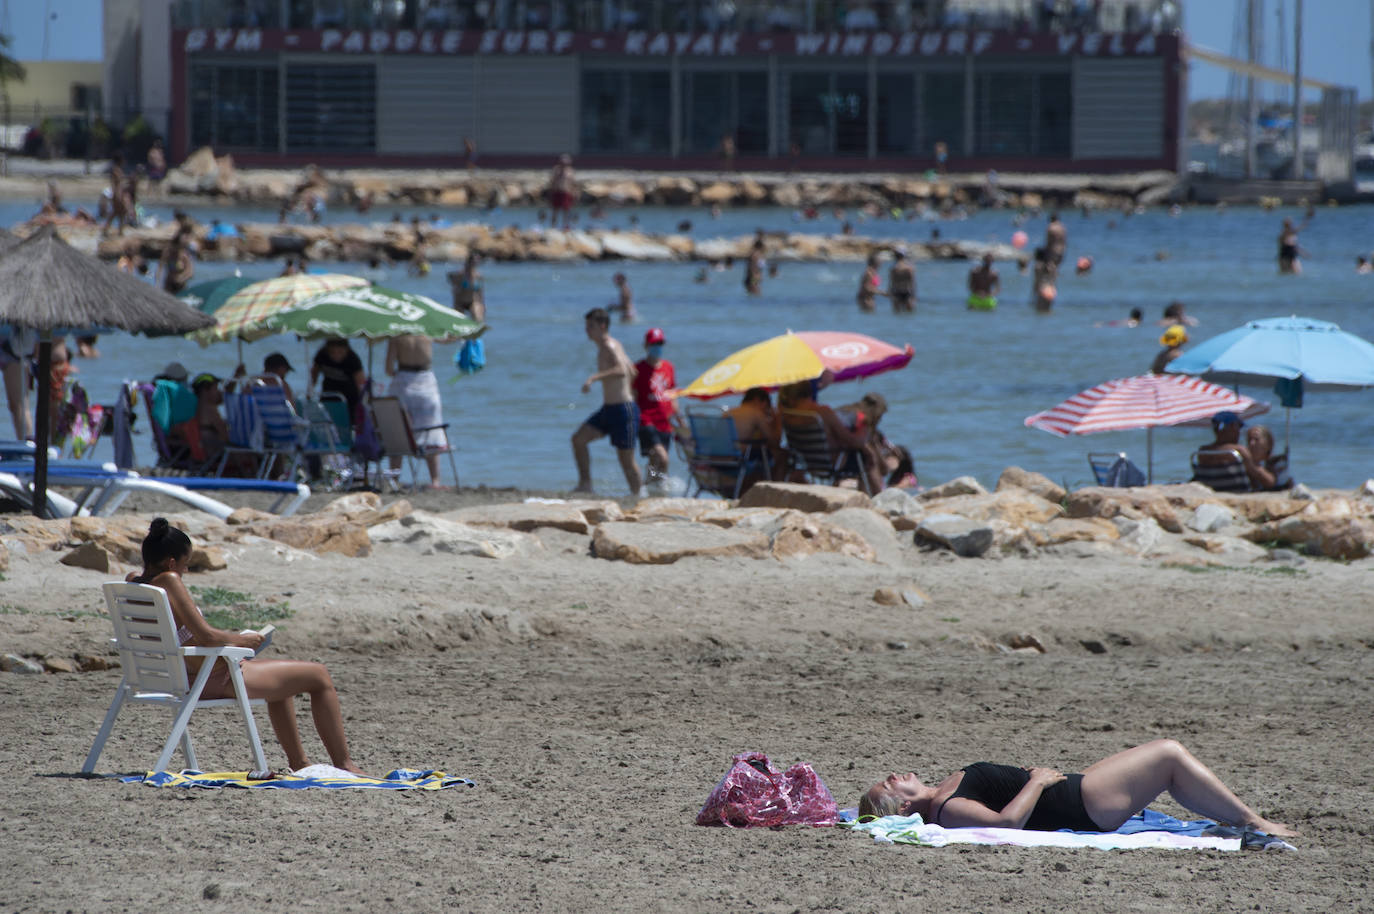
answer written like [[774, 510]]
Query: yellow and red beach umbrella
[[244, 314], [798, 357]]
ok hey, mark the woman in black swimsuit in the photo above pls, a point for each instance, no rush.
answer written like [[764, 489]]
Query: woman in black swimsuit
[[1103, 797]]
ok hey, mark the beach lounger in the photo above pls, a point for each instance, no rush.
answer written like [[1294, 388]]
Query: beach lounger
[[806, 439], [104, 488], [17, 494], [22, 450], [1220, 470], [717, 461], [397, 436], [155, 673]]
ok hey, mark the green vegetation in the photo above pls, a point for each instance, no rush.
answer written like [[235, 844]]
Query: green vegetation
[[233, 610], [1288, 570]]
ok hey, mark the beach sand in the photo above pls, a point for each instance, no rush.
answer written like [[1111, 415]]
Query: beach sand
[[596, 703]]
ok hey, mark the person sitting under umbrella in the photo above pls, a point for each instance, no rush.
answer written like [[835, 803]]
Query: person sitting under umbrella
[[1213, 460], [1260, 442], [801, 397]]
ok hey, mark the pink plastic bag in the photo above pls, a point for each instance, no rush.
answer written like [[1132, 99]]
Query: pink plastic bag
[[755, 794]]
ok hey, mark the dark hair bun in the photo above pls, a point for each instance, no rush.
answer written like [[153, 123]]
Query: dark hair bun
[[158, 527]]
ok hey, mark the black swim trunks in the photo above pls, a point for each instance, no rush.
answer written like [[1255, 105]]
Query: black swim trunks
[[619, 421], [1059, 806]]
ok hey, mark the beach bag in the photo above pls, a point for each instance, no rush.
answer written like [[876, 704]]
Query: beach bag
[[471, 358], [755, 794]]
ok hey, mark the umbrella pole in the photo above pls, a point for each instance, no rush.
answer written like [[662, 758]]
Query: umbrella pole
[[43, 425], [1287, 427], [1150, 456]]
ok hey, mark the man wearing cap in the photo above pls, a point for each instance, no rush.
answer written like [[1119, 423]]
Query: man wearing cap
[[901, 283], [654, 382], [1216, 462]]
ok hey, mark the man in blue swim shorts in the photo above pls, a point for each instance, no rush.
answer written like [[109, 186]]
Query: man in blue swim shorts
[[618, 417]]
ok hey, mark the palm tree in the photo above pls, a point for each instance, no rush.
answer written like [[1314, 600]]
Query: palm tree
[[10, 69]]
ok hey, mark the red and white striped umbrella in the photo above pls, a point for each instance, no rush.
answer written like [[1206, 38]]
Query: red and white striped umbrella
[[1144, 401]]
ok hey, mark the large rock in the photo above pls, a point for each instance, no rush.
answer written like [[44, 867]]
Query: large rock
[[1046, 488], [522, 516], [1013, 507], [318, 533], [1073, 530], [873, 528], [665, 542], [120, 537], [900, 506], [651, 508], [961, 485], [1134, 504], [1141, 536], [432, 534], [634, 246], [801, 497], [718, 192], [1334, 536], [1209, 518], [598, 510], [90, 556], [960, 535], [795, 534], [748, 518]]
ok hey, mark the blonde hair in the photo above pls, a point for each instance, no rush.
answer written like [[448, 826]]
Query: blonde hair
[[884, 805]]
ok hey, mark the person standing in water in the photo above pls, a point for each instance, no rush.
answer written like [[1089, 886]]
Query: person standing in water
[[1172, 341], [869, 285], [626, 299], [1056, 241], [901, 283], [983, 286], [1288, 248], [618, 416], [466, 286], [753, 270]]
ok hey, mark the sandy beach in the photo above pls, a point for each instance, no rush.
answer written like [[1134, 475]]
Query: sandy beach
[[596, 702]]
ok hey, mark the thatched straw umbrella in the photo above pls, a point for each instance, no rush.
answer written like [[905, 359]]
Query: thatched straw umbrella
[[46, 285]]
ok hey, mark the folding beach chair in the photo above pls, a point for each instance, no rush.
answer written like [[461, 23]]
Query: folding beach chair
[[184, 455], [1115, 469], [397, 437], [1221, 470], [155, 672], [284, 433], [326, 439], [718, 461], [810, 445]]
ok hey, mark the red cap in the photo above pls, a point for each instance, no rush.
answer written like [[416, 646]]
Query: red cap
[[654, 336]]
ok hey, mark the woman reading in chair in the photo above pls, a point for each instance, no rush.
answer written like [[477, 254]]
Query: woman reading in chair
[[166, 552], [1102, 798]]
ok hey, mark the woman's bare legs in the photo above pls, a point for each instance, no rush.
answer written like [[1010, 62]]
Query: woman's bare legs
[[1121, 785], [278, 682]]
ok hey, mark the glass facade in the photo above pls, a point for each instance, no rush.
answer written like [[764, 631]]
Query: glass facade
[[896, 113], [827, 113], [627, 111], [234, 106], [942, 113], [331, 108], [716, 105]]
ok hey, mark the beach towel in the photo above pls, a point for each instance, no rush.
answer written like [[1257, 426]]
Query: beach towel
[[324, 776], [470, 358], [1147, 829], [754, 794], [418, 392]]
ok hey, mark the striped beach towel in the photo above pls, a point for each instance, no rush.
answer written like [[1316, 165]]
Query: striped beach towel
[[322, 776]]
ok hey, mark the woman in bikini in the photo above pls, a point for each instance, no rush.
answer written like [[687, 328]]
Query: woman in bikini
[[466, 285], [166, 552], [1102, 798]]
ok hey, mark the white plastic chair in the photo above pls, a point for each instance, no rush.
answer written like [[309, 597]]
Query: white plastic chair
[[155, 672]]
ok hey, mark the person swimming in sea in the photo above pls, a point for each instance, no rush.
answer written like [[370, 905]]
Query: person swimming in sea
[[983, 286]]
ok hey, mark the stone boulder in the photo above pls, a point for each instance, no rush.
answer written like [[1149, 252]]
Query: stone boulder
[[634, 246], [665, 542], [748, 518], [317, 533], [1134, 504], [651, 508], [801, 497], [88, 555], [1209, 518], [1046, 488], [434, 534], [366, 508], [598, 511], [873, 528], [1073, 530], [795, 534], [717, 192], [961, 485], [1013, 507], [959, 535], [522, 516], [900, 506], [121, 537], [1334, 536]]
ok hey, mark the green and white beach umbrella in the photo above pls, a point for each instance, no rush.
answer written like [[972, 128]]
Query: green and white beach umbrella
[[373, 313]]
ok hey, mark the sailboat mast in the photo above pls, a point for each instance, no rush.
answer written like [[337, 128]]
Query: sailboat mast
[[1298, 171], [1251, 99]]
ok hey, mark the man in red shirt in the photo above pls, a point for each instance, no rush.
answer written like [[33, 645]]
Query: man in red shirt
[[654, 383]]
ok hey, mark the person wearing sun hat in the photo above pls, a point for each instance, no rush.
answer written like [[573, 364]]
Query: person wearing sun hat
[[1172, 341]]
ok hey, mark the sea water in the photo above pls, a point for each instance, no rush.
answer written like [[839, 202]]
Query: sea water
[[959, 406]]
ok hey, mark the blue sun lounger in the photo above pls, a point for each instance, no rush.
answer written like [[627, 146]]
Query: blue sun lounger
[[104, 488]]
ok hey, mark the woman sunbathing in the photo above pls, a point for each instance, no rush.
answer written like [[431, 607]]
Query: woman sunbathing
[[166, 552], [1103, 797]]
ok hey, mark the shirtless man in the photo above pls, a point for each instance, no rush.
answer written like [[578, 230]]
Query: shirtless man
[[626, 302], [562, 191], [983, 286], [901, 284], [618, 416], [1288, 248], [1056, 241], [753, 270]]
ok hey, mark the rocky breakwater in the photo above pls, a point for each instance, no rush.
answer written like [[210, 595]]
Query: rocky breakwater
[[393, 241], [205, 174]]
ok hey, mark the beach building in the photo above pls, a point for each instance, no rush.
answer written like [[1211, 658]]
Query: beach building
[[855, 86]]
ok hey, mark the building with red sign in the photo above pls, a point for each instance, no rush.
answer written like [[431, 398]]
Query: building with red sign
[[655, 84]]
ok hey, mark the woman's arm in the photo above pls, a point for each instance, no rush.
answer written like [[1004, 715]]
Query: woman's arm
[[960, 812], [840, 433], [184, 611]]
